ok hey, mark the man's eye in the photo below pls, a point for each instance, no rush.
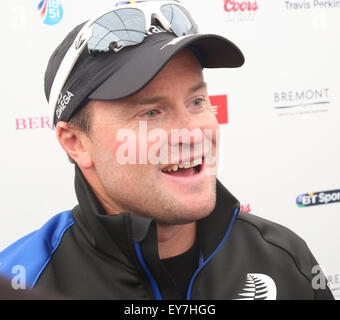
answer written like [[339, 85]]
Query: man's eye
[[197, 102], [150, 114]]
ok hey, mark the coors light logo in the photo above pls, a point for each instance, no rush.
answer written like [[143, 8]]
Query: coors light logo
[[240, 10]]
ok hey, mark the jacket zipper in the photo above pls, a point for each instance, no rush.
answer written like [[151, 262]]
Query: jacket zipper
[[201, 265], [151, 278]]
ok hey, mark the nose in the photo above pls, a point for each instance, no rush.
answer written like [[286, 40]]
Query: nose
[[185, 130], [185, 138]]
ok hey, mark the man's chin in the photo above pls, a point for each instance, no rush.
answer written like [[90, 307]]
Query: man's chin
[[185, 214], [195, 206]]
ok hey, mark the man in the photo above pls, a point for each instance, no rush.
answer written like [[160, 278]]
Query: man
[[152, 221]]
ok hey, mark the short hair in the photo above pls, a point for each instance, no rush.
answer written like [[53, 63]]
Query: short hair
[[82, 121]]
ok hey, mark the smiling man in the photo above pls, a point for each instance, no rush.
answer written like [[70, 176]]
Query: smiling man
[[132, 112], [177, 98]]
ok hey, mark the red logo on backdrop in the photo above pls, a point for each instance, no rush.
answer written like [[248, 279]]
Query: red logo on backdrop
[[238, 11], [31, 123], [232, 5], [245, 208], [220, 107]]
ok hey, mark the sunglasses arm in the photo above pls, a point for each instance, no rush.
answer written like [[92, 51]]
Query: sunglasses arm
[[66, 67]]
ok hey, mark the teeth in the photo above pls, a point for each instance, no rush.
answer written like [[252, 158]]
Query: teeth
[[172, 168], [197, 162], [185, 165]]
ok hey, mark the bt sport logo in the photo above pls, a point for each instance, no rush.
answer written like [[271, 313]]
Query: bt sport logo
[[318, 198], [50, 11]]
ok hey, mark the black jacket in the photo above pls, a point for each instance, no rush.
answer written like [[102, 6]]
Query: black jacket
[[87, 254]]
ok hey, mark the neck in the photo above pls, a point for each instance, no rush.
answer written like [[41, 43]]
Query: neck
[[174, 240]]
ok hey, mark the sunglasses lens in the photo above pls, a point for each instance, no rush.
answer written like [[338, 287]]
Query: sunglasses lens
[[179, 19], [116, 29]]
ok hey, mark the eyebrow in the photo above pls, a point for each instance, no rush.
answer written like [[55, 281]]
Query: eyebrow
[[154, 99], [199, 86]]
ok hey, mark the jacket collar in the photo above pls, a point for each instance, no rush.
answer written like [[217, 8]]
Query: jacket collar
[[109, 233]]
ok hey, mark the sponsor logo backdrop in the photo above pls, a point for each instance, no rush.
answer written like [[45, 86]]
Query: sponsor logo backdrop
[[279, 114]]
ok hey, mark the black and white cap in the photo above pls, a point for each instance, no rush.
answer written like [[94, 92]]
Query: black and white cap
[[116, 75]]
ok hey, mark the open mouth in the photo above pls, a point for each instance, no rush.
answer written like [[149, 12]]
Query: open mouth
[[184, 169]]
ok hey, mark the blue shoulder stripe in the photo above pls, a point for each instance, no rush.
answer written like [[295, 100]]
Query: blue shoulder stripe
[[34, 251]]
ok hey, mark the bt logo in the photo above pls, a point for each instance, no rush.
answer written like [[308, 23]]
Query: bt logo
[[318, 198]]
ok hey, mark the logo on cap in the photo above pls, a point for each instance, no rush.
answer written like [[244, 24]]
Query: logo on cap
[[175, 41], [62, 103], [79, 41]]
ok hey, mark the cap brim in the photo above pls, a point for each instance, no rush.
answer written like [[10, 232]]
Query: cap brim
[[138, 65]]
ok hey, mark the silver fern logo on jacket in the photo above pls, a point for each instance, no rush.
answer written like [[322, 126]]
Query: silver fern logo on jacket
[[258, 286]]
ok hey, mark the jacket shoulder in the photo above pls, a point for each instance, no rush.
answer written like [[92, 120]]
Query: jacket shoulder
[[283, 238], [32, 252]]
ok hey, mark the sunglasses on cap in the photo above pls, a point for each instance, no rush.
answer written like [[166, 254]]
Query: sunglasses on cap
[[123, 26]]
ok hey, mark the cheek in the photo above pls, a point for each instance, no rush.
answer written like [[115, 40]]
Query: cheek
[[128, 148], [210, 126], [213, 123], [210, 130], [157, 147], [104, 147]]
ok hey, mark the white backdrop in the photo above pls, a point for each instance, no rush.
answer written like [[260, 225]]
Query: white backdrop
[[282, 135]]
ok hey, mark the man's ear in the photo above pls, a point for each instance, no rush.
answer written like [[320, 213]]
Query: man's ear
[[74, 142]]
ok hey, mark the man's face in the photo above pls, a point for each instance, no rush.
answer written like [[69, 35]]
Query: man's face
[[175, 99]]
